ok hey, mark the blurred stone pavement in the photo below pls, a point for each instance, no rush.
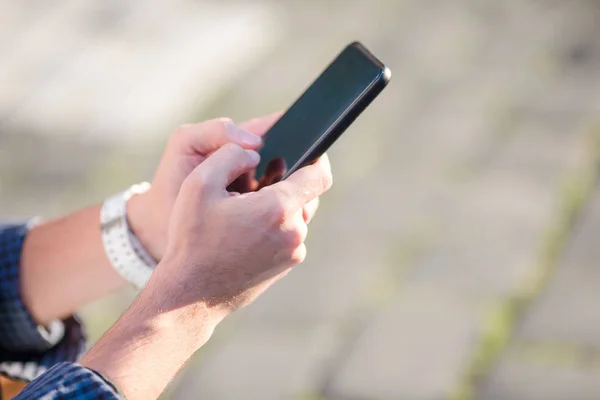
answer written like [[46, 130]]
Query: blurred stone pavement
[[456, 255]]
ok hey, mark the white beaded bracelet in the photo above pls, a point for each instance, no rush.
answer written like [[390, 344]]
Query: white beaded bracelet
[[125, 252]]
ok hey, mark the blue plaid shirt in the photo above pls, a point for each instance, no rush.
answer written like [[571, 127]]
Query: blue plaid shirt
[[44, 356]]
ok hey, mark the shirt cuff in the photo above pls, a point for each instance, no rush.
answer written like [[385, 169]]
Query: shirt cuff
[[26, 366], [70, 382], [18, 331]]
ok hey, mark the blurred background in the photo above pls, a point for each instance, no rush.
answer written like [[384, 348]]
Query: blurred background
[[457, 255]]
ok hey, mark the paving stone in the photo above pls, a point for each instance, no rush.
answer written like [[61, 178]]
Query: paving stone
[[546, 152], [492, 234], [261, 362], [512, 380], [497, 218], [566, 311], [417, 348]]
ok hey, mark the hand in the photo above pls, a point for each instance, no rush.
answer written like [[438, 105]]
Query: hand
[[275, 170], [224, 250], [187, 148]]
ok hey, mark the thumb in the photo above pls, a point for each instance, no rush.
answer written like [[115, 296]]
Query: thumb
[[307, 183], [222, 167]]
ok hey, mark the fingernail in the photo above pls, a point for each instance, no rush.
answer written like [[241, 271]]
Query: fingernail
[[250, 138], [253, 156], [244, 136]]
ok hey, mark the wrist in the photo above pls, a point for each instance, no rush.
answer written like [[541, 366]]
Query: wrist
[[162, 308], [150, 343], [141, 217], [152, 325]]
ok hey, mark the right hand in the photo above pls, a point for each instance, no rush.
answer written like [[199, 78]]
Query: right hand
[[224, 250]]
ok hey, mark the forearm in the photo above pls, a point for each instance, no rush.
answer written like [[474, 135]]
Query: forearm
[[150, 343], [64, 266]]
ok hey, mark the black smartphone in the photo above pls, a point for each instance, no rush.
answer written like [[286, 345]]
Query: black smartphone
[[325, 110]]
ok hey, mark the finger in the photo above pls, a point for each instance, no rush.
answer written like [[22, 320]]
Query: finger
[[300, 228], [306, 184], [260, 126], [294, 243], [275, 170], [223, 167], [209, 136], [299, 255], [243, 184], [310, 209]]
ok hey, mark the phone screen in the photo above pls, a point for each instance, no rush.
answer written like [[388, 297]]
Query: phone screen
[[318, 109]]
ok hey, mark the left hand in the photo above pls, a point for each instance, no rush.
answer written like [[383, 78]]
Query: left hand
[[187, 148]]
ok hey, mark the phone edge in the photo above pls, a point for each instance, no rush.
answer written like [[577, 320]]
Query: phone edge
[[346, 119]]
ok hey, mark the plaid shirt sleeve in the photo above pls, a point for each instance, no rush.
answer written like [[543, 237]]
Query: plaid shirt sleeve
[[27, 350], [70, 382]]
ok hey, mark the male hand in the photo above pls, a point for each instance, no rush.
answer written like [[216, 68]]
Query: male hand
[[187, 148], [223, 249]]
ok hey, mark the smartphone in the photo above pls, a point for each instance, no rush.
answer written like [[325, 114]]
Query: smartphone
[[325, 110]]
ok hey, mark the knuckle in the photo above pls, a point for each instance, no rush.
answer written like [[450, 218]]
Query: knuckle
[[278, 212], [295, 238], [326, 181], [192, 186], [196, 185], [297, 258], [279, 208], [225, 120], [221, 126], [298, 255], [233, 149]]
